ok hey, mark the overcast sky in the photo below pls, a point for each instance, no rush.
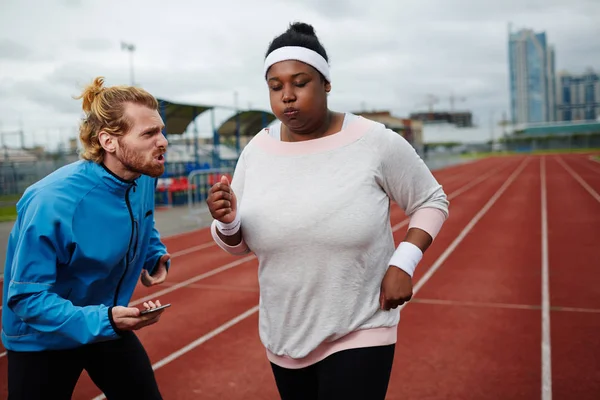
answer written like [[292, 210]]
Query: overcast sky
[[385, 54]]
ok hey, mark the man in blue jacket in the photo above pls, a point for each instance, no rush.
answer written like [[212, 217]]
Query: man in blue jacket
[[83, 237]]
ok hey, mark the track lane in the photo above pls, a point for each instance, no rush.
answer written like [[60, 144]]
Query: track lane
[[574, 229], [584, 172], [452, 349]]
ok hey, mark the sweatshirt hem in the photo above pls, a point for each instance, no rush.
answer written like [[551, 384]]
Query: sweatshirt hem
[[357, 339]]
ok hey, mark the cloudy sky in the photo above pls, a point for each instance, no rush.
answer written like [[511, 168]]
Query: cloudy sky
[[385, 54]]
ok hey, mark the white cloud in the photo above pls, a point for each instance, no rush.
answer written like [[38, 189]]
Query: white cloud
[[387, 54]]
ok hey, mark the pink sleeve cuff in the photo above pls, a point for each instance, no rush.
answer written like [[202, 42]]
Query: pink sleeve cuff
[[428, 219], [240, 249]]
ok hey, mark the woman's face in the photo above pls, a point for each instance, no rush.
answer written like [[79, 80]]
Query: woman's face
[[298, 95]]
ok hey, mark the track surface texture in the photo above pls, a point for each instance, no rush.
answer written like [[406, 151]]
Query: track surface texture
[[506, 301]]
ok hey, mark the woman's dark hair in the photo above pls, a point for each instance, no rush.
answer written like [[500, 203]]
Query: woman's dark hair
[[298, 34]]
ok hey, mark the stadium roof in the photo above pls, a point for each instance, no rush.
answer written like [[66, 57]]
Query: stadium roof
[[178, 116], [250, 123]]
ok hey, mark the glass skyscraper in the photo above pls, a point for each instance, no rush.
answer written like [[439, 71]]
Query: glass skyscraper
[[578, 96], [532, 77]]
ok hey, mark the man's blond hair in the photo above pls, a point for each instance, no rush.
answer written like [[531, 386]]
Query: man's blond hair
[[104, 109]]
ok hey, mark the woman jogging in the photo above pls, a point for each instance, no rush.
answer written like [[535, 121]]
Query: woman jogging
[[311, 198]]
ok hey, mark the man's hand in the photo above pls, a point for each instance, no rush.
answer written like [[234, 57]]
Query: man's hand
[[129, 318], [222, 202], [159, 275], [396, 288]]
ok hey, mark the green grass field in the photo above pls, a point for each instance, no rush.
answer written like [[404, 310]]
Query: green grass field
[[8, 211]]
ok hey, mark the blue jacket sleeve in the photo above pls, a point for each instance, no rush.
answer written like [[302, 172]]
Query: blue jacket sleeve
[[156, 248], [43, 243]]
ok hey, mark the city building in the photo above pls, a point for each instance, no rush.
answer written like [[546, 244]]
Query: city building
[[531, 77], [459, 118], [578, 96], [410, 129]]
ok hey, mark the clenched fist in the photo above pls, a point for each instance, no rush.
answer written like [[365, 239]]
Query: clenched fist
[[222, 202], [396, 288]]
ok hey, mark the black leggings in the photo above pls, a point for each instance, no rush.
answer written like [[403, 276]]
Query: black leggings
[[120, 368], [354, 374]]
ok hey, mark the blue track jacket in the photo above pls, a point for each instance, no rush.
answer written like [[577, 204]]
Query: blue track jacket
[[79, 244]]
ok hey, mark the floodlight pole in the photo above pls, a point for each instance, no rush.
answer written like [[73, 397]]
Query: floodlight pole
[[130, 47]]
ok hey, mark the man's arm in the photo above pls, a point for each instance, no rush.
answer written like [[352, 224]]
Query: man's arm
[[156, 248], [43, 243]]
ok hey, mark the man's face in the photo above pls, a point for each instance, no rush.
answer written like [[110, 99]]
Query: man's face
[[141, 149]]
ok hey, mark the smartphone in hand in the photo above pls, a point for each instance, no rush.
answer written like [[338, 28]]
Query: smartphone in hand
[[151, 310]]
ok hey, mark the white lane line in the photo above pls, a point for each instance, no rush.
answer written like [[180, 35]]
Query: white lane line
[[233, 288], [437, 264], [546, 343], [575, 309], [193, 249], [592, 166], [461, 303], [578, 178], [195, 279], [200, 340], [439, 261]]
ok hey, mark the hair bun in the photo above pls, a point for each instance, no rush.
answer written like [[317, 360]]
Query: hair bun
[[303, 28], [90, 93]]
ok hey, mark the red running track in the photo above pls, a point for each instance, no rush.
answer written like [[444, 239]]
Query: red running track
[[475, 328]]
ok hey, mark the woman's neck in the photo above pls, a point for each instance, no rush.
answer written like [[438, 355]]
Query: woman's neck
[[332, 123]]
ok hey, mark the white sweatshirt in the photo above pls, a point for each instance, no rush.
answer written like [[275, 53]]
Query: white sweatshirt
[[316, 214]]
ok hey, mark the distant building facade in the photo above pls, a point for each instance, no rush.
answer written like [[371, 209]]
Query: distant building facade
[[410, 129], [578, 96], [458, 118], [531, 77]]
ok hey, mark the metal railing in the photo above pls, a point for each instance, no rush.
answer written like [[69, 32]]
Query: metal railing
[[199, 184]]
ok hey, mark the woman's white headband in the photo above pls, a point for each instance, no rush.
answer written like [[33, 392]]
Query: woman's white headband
[[298, 53]]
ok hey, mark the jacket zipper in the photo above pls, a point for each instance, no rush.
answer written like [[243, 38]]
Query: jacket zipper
[[129, 246]]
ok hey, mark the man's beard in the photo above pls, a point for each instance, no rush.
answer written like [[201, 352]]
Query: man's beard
[[135, 163]]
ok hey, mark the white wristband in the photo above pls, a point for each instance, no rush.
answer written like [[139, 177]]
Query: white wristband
[[231, 228], [406, 257]]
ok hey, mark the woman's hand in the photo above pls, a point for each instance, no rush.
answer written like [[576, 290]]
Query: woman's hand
[[396, 288], [222, 202]]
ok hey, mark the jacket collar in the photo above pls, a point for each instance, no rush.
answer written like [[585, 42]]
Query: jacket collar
[[111, 180]]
